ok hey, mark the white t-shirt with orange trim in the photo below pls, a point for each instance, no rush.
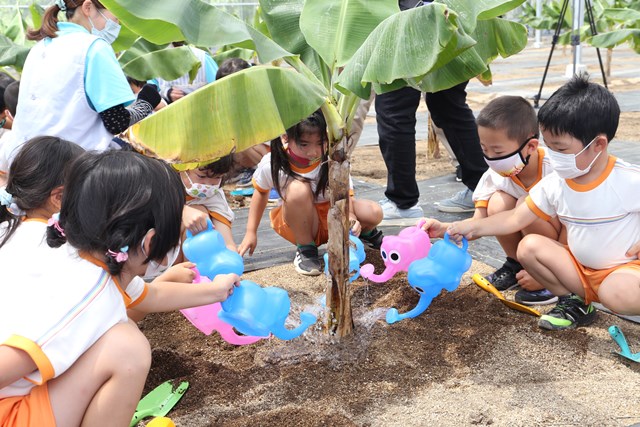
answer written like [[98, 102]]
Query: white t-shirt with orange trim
[[54, 304], [602, 218], [263, 181], [491, 182]]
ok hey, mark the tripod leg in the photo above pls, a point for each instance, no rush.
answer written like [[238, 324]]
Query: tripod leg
[[554, 41], [594, 31]]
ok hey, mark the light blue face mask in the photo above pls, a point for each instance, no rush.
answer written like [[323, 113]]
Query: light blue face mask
[[110, 31]]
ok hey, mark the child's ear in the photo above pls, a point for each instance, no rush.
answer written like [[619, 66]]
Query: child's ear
[[284, 138], [55, 198]]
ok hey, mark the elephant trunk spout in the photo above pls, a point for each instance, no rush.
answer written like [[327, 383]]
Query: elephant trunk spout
[[393, 316], [283, 333], [367, 271]]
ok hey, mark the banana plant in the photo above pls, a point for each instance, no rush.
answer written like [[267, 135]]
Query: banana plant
[[626, 31], [336, 52], [14, 46]]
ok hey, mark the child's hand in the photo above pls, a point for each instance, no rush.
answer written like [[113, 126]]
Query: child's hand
[[249, 243], [459, 229], [194, 219], [634, 251], [223, 284], [356, 227], [181, 273], [434, 228], [527, 282]]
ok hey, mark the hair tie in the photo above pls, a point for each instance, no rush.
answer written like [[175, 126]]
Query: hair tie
[[55, 222], [121, 256], [61, 4], [5, 197]]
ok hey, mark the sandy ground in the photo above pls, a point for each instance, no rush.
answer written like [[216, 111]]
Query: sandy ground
[[468, 360]]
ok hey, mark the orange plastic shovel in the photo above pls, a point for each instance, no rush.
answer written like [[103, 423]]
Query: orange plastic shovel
[[487, 286]]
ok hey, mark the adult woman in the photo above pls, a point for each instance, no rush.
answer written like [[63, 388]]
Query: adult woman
[[72, 85]]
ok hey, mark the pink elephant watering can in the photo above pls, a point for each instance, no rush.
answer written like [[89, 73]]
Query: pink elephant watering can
[[442, 269], [398, 252], [205, 318]]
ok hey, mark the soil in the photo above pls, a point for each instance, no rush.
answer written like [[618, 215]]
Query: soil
[[468, 360]]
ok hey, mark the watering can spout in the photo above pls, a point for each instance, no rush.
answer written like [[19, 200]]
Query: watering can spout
[[283, 333]]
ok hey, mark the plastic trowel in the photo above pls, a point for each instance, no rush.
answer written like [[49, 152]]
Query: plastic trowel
[[619, 338], [159, 401]]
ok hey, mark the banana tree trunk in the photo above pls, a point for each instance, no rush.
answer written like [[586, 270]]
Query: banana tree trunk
[[608, 63]]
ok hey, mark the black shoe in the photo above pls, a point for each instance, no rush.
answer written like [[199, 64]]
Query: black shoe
[[307, 261], [569, 313], [504, 278], [373, 240], [458, 174], [540, 297]]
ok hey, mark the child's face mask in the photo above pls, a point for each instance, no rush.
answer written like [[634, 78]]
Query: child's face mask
[[155, 268], [510, 164], [200, 191], [565, 164], [110, 31]]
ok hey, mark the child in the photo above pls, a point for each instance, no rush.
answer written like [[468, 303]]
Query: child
[[206, 199], [595, 197], [508, 130], [297, 168], [80, 359]]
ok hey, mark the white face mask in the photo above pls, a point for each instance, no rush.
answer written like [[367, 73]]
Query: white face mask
[[110, 31], [510, 164], [565, 164], [154, 268], [200, 191]]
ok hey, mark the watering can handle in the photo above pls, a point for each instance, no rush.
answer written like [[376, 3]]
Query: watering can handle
[[465, 244], [209, 227]]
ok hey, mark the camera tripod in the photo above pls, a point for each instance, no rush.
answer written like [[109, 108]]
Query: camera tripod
[[575, 42]]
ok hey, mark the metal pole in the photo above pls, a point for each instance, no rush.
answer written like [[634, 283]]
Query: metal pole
[[538, 33], [578, 19]]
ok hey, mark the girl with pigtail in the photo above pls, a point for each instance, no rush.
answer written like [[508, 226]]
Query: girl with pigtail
[[297, 168], [69, 355], [72, 85]]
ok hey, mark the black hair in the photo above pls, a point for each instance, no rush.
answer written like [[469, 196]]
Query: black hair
[[112, 199], [220, 167], [513, 114], [11, 97], [315, 123], [136, 83], [36, 171], [581, 109], [230, 66]]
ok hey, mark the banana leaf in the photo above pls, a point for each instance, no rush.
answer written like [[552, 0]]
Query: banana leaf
[[144, 61], [15, 28], [12, 54], [337, 28], [235, 52], [617, 37], [36, 14], [282, 19], [199, 23], [232, 114]]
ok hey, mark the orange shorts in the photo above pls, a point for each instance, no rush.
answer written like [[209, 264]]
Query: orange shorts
[[32, 410], [592, 279], [280, 226]]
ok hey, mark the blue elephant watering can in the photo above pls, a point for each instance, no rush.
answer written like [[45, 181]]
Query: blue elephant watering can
[[441, 269], [209, 252], [356, 257], [258, 311]]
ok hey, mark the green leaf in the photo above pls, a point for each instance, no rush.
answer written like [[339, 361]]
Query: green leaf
[[11, 53], [614, 38], [234, 52], [168, 64], [16, 27], [337, 28], [36, 14], [470, 12], [623, 15], [282, 19], [243, 109], [406, 45], [166, 21], [125, 39]]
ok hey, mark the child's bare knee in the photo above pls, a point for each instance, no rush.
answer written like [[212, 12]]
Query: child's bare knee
[[527, 248], [128, 350], [298, 191]]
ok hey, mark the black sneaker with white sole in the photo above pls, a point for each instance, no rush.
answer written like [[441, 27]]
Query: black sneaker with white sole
[[540, 297], [373, 240], [307, 261], [569, 313]]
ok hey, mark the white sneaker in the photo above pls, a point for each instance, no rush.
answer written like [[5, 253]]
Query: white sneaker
[[396, 216], [460, 202]]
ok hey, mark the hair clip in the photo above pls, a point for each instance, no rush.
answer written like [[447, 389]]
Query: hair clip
[[121, 256], [5, 197], [61, 4], [55, 222]]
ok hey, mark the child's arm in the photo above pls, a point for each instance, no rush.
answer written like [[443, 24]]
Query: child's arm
[[225, 230], [181, 273], [14, 364], [436, 228], [194, 218], [355, 226], [170, 296], [500, 224], [258, 204]]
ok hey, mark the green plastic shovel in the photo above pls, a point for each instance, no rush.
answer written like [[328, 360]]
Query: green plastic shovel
[[159, 401]]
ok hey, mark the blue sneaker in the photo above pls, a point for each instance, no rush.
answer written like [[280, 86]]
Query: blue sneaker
[[540, 297], [392, 215], [461, 202]]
